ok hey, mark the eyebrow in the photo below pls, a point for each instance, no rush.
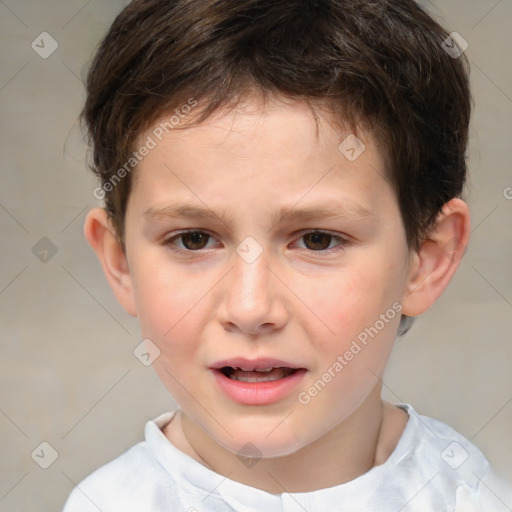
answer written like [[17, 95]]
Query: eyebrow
[[187, 211], [337, 210]]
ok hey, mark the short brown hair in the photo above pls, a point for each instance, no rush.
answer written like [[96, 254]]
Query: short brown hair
[[379, 64]]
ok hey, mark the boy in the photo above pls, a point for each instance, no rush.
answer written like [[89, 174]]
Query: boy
[[282, 184]]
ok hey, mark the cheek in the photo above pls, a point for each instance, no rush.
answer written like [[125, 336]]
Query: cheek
[[349, 300], [360, 306], [171, 315], [169, 306]]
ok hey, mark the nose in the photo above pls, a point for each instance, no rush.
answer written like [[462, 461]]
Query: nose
[[253, 298]]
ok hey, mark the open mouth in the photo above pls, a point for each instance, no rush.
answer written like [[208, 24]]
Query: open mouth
[[258, 374], [261, 381]]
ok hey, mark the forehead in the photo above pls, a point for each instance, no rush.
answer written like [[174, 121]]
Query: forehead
[[232, 127], [278, 147]]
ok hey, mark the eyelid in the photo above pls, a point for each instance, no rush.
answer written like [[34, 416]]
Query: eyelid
[[319, 230]]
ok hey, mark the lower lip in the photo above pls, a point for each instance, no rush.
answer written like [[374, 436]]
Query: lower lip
[[258, 393]]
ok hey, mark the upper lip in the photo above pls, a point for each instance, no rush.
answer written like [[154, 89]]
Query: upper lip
[[253, 364]]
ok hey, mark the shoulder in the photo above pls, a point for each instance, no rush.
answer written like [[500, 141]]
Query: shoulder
[[442, 447], [126, 483], [448, 463], [121, 479]]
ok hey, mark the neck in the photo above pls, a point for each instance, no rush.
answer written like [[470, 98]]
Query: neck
[[365, 439]]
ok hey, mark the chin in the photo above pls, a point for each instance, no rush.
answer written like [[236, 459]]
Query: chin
[[258, 443]]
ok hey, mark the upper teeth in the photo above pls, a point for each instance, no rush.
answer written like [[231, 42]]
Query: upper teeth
[[249, 375], [256, 369]]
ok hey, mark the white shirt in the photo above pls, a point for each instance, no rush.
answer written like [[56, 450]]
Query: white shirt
[[433, 468]]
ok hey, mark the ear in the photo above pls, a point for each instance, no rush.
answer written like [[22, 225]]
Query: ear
[[434, 264], [99, 232]]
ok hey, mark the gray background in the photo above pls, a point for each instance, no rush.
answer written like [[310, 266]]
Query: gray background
[[69, 376]]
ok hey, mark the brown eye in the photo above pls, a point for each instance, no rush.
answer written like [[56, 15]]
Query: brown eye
[[317, 241], [194, 240]]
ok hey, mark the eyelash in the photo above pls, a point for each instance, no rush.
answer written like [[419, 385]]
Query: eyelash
[[342, 242]]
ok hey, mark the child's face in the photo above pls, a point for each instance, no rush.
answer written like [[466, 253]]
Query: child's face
[[301, 302]]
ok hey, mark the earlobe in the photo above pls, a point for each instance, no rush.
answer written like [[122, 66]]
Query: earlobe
[[434, 264], [100, 234]]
